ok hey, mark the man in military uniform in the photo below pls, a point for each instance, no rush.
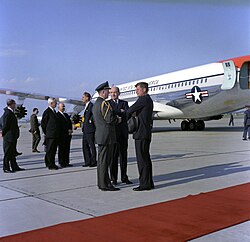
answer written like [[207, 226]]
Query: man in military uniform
[[105, 122]]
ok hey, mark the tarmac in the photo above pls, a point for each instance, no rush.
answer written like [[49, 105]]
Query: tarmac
[[184, 163]]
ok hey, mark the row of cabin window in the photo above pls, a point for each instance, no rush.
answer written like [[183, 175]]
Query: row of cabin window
[[179, 84]]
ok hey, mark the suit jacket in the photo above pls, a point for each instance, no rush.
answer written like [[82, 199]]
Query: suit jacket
[[10, 129], [144, 110], [50, 124], [64, 125], [88, 125], [34, 125], [247, 118], [105, 122], [121, 128]]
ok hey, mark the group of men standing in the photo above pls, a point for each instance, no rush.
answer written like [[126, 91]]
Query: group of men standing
[[110, 118], [104, 123], [109, 130], [57, 128]]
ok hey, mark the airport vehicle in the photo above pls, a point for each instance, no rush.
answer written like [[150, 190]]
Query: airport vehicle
[[194, 95]]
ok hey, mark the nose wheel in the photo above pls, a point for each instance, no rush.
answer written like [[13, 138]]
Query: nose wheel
[[192, 125]]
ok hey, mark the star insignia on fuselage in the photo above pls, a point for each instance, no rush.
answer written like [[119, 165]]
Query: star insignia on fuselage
[[197, 95]]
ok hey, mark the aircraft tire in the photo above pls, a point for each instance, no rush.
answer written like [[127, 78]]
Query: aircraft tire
[[184, 125], [192, 125], [200, 125]]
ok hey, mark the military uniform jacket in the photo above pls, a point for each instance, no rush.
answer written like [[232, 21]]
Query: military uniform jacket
[[121, 128], [50, 124], [105, 122], [247, 118], [34, 125], [10, 129], [88, 125], [144, 110]]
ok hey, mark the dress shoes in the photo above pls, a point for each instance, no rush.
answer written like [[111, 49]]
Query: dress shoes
[[18, 153], [19, 169], [85, 165], [7, 171], [93, 165], [127, 181], [55, 167], [37, 151], [139, 189], [114, 182], [66, 165], [110, 188]]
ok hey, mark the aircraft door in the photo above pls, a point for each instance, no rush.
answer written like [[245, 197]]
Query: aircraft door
[[229, 75], [245, 76]]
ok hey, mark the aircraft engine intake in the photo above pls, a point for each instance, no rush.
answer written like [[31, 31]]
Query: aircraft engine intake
[[20, 111]]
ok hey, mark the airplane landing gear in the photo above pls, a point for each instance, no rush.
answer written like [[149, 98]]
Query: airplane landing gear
[[184, 125], [192, 125], [200, 125]]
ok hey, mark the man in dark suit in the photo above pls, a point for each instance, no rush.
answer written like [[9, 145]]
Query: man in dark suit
[[105, 123], [50, 127], [143, 108], [35, 131], [10, 133], [121, 146], [88, 130], [65, 135], [246, 132]]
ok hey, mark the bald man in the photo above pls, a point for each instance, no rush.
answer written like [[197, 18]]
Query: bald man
[[65, 135], [121, 146]]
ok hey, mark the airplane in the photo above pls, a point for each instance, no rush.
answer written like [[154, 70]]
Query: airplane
[[194, 95], [197, 94]]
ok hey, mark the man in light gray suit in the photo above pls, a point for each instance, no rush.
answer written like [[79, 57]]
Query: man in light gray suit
[[105, 123]]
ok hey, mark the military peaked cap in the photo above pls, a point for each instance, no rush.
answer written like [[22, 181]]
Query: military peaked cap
[[102, 86]]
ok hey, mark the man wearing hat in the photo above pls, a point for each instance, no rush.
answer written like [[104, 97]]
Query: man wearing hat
[[143, 108], [246, 123], [105, 122]]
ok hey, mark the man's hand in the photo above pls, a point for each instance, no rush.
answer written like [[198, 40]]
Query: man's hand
[[119, 119]]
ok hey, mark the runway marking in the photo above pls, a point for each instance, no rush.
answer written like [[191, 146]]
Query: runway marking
[[26, 195]]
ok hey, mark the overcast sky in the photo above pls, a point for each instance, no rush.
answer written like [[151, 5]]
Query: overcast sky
[[66, 47]]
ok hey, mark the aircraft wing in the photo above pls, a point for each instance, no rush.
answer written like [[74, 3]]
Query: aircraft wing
[[23, 95]]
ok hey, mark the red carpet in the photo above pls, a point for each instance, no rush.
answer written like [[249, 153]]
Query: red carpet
[[178, 220]]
